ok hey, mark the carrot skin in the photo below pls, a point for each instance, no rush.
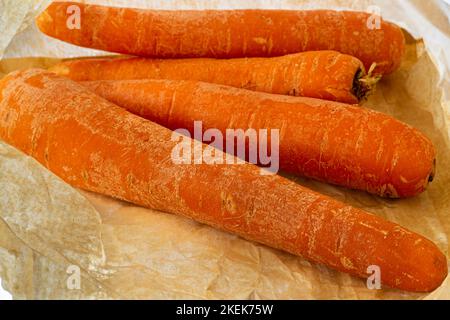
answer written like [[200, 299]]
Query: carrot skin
[[332, 142], [228, 34], [325, 75], [98, 146]]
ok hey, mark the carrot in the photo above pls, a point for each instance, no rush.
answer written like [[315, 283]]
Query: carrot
[[332, 142], [227, 34], [98, 146], [326, 75]]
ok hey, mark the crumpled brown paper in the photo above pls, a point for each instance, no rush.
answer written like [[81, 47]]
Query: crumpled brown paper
[[48, 229]]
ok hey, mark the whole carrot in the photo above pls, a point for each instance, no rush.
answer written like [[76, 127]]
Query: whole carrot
[[328, 141], [98, 146], [326, 75], [227, 34]]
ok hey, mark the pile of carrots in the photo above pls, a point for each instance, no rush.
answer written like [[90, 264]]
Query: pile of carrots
[[105, 125]]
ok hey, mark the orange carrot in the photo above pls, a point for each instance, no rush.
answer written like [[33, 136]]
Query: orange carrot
[[328, 141], [318, 74], [98, 146], [227, 34]]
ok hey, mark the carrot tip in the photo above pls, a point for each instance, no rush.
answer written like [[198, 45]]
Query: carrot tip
[[364, 84], [433, 172]]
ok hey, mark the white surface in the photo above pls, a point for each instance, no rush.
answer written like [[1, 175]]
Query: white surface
[[4, 295]]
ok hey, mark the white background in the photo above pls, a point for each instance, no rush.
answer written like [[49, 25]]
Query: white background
[[4, 295]]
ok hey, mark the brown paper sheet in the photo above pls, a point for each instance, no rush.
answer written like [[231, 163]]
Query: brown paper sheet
[[48, 229]]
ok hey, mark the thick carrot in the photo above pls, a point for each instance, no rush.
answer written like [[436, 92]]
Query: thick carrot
[[328, 141], [98, 146], [227, 34], [326, 75]]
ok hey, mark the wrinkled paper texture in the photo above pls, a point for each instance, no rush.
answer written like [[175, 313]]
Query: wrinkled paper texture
[[51, 232]]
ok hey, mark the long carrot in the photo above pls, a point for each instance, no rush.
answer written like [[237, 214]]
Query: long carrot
[[98, 146], [326, 75], [328, 141], [226, 34]]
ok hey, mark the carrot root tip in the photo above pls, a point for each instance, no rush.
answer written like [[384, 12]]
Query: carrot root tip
[[433, 172]]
